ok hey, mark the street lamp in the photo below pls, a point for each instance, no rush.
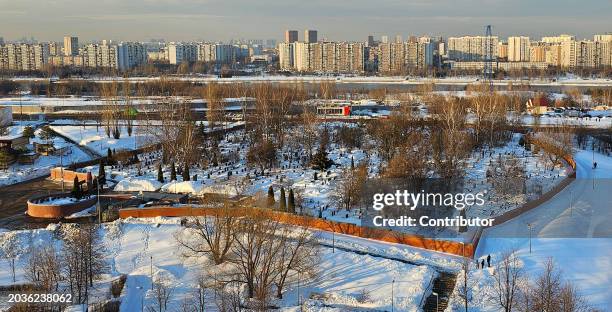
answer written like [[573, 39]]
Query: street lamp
[[529, 226], [392, 296], [437, 299]]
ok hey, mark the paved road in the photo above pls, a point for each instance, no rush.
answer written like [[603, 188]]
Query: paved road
[[13, 199]]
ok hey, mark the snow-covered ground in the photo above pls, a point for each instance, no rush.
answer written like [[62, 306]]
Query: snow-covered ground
[[573, 228], [21, 172], [342, 280], [95, 138]]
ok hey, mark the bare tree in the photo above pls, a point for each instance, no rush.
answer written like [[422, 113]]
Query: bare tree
[[162, 292], [211, 235], [349, 189], [9, 251], [43, 268], [508, 276], [83, 259]]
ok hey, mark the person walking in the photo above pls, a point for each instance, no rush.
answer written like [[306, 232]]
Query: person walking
[[489, 260]]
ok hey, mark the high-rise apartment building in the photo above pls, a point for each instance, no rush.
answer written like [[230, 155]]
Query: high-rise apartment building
[[207, 52], [502, 50], [370, 41], [291, 36], [586, 54], [384, 39], [310, 36], [399, 39], [518, 49], [24, 56], [537, 52], [558, 39], [398, 57], [472, 48], [100, 55], [603, 38], [71, 45], [285, 56], [182, 52], [131, 54], [553, 55]]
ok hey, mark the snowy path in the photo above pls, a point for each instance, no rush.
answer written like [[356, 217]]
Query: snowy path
[[572, 228]]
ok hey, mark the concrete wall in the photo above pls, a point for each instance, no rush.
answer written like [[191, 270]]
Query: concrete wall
[[314, 223], [56, 175], [41, 210]]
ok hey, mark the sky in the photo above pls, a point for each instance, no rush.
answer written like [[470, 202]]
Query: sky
[[184, 20]]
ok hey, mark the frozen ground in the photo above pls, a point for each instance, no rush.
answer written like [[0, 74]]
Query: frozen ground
[[573, 228], [95, 138], [292, 173], [343, 275], [22, 172]]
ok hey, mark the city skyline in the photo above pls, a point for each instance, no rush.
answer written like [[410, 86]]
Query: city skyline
[[341, 20]]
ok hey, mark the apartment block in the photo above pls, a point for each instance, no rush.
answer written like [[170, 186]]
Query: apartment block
[[310, 36], [558, 39], [131, 54], [26, 57], [472, 48], [182, 52], [537, 52], [71, 45], [518, 49], [291, 36], [285, 56]]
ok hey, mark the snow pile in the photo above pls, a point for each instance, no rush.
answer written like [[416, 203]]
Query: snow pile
[[185, 187], [137, 185]]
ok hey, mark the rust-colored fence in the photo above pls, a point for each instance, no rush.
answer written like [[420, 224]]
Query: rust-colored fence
[[310, 222]]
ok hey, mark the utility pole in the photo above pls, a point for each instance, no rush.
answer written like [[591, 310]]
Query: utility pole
[[529, 226], [98, 203], [392, 296], [62, 169], [151, 272]]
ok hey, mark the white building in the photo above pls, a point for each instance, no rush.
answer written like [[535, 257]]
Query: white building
[[182, 52], [71, 46], [131, 54], [471, 48], [285, 56], [518, 49], [26, 57], [558, 39]]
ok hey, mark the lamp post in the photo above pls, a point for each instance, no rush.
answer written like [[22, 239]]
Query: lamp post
[[437, 300], [529, 226], [392, 296]]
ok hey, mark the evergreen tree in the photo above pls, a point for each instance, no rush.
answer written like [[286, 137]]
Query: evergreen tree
[[291, 202], [160, 173], [101, 174], [186, 176], [76, 188], [282, 206], [28, 132], [172, 172], [270, 200]]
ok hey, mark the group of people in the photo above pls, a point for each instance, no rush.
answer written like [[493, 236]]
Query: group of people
[[480, 263]]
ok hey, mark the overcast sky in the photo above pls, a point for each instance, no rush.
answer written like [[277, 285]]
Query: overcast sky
[[263, 19]]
